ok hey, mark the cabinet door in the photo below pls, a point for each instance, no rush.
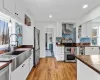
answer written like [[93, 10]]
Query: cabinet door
[[89, 29], [19, 9], [59, 50], [9, 5], [31, 60], [59, 29], [18, 72], [60, 58], [91, 50], [21, 72], [1, 5], [84, 30], [25, 69], [4, 73]]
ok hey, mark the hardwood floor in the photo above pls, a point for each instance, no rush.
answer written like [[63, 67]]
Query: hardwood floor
[[50, 69]]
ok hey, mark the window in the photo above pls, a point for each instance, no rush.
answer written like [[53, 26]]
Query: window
[[4, 32], [96, 35]]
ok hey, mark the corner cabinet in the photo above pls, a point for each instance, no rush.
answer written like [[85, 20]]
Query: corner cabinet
[[9, 5]]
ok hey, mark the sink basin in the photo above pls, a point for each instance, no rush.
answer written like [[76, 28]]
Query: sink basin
[[17, 52]]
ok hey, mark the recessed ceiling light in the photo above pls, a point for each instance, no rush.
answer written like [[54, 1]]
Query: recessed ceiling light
[[85, 6], [50, 16]]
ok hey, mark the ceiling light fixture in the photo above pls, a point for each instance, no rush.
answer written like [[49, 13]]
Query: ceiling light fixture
[[50, 16], [85, 6]]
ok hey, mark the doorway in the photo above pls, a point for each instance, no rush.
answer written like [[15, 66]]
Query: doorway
[[49, 43]]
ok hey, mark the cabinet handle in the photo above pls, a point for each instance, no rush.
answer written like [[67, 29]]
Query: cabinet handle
[[17, 14], [23, 65]]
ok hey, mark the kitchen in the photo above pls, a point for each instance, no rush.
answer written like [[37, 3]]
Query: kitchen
[[75, 41]]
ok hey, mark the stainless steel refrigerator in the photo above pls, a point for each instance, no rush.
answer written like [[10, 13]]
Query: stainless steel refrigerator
[[36, 46]]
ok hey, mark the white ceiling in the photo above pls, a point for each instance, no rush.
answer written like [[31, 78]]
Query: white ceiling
[[60, 9]]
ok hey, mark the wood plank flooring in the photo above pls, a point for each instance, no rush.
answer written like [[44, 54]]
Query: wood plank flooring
[[50, 69]]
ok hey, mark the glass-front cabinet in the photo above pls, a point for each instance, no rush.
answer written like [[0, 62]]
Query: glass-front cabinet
[[96, 31], [90, 29]]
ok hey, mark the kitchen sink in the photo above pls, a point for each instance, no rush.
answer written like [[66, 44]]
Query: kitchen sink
[[18, 57], [17, 52], [14, 53]]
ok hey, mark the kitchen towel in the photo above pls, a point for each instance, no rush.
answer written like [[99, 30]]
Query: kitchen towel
[[72, 50]]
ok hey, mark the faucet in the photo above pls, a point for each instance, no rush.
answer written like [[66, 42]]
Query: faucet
[[15, 41]]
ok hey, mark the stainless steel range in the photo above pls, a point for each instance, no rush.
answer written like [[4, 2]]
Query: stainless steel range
[[69, 54]]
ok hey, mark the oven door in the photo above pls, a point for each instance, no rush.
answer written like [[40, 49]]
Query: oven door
[[69, 58]]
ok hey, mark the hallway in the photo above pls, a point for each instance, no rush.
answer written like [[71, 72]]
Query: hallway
[[50, 69], [49, 53]]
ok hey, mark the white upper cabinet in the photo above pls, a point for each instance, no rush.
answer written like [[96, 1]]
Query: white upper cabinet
[[19, 9], [1, 4], [86, 29], [9, 5], [15, 7], [59, 29], [89, 29]]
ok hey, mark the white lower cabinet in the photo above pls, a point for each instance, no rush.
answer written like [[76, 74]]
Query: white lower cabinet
[[31, 60], [60, 58], [21, 72], [4, 73], [60, 53], [92, 51]]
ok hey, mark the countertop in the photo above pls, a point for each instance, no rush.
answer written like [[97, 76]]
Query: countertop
[[92, 61], [4, 64]]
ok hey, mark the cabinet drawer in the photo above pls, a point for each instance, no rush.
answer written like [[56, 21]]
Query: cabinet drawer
[[60, 58], [61, 53]]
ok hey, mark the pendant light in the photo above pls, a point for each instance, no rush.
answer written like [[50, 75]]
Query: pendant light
[[10, 23]]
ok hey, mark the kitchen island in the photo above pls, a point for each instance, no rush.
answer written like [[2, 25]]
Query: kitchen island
[[88, 67]]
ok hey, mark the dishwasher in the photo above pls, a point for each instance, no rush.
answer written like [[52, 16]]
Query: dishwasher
[[4, 73]]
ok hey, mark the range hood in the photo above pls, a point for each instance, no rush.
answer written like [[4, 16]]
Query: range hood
[[67, 28]]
